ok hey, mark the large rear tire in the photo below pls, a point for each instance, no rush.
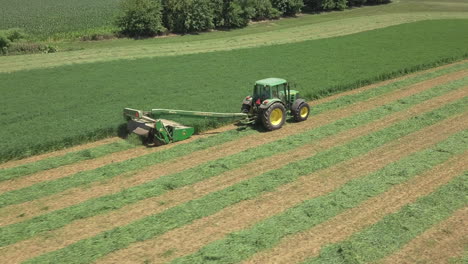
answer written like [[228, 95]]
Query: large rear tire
[[274, 117], [301, 113]]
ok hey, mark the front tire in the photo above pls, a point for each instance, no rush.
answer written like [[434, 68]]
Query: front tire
[[301, 113], [274, 117]]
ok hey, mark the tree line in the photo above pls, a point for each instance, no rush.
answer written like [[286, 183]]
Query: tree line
[[144, 18]]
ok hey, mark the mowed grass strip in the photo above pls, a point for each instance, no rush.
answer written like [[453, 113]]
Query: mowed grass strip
[[87, 165], [73, 168], [298, 247], [269, 232], [239, 168], [111, 170], [68, 158], [307, 63], [57, 153], [439, 244], [395, 230], [10, 214], [106, 242], [190, 238]]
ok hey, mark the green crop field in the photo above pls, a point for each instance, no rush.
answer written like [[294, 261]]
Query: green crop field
[[401, 133], [378, 173], [45, 18], [70, 104]]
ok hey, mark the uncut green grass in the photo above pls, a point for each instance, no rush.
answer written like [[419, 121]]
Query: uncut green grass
[[106, 172], [67, 159], [269, 232], [90, 249], [217, 81], [397, 229], [166, 183]]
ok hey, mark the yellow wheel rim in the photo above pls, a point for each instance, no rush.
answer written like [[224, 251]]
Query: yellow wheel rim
[[304, 112], [276, 116]]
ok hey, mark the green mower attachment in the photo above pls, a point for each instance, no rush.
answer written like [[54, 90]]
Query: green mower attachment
[[149, 124]]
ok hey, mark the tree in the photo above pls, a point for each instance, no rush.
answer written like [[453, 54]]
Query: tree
[[183, 16], [288, 7], [140, 18], [325, 5]]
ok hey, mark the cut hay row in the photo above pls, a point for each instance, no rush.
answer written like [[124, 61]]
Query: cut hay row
[[192, 237], [63, 172], [439, 244], [125, 168], [158, 187], [397, 229], [309, 213], [92, 226], [33, 159], [178, 216], [99, 189], [299, 247], [24, 180], [70, 163]]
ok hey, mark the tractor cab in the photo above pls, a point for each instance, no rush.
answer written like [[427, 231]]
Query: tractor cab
[[271, 88]]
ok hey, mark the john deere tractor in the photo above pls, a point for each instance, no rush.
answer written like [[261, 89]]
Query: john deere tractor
[[272, 101]]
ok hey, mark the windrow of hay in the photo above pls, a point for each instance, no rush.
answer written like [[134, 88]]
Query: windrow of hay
[[193, 237], [299, 247], [438, 244]]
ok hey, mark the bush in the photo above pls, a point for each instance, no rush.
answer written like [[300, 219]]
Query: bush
[[183, 16], [377, 2], [15, 34], [356, 2], [97, 36], [4, 43], [140, 18], [231, 14], [288, 7], [235, 16], [334, 4], [259, 9], [30, 48], [325, 5]]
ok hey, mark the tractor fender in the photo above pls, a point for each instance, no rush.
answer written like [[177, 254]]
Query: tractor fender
[[247, 100], [297, 103], [264, 106], [246, 105]]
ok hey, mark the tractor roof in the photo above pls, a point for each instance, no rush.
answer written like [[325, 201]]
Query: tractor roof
[[271, 81]]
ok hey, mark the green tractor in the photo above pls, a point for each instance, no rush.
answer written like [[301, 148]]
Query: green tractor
[[272, 100]]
